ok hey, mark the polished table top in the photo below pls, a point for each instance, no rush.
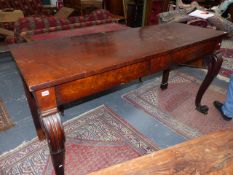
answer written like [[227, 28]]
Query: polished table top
[[52, 62]]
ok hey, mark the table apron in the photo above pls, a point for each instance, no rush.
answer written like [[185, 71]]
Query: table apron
[[77, 89], [81, 88], [195, 52]]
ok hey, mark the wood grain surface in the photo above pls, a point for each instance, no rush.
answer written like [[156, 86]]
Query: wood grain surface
[[47, 63], [210, 154]]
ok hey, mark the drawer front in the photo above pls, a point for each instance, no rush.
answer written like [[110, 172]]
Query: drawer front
[[192, 53], [75, 90], [160, 63]]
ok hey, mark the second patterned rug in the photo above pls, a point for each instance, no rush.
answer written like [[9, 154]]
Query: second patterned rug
[[174, 107]]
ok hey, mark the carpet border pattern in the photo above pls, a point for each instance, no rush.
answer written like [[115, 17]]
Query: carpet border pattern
[[138, 141]]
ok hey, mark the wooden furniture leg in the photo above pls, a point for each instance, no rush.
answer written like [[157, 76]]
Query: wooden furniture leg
[[35, 115], [54, 132], [49, 127], [214, 63], [61, 109], [164, 83]]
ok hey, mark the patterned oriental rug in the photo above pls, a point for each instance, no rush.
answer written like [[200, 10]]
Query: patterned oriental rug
[[95, 140], [5, 122], [174, 107], [227, 66]]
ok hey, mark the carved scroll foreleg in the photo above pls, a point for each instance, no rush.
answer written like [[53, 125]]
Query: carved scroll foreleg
[[164, 83], [35, 115], [214, 63], [56, 140]]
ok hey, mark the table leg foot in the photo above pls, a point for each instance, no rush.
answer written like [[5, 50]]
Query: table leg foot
[[202, 109], [214, 63], [56, 140], [61, 109], [164, 83]]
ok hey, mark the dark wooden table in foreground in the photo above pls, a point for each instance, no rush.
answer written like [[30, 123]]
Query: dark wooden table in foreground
[[56, 72], [211, 154]]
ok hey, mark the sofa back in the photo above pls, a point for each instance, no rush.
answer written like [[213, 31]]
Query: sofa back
[[29, 7]]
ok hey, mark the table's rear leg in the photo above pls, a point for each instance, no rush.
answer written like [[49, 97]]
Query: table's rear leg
[[56, 140], [34, 112], [164, 83], [61, 109], [214, 63]]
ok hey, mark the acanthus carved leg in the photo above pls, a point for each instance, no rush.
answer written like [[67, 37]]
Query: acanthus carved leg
[[164, 83], [56, 140], [214, 63]]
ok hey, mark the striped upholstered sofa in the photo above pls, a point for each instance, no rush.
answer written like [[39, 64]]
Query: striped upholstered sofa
[[28, 26]]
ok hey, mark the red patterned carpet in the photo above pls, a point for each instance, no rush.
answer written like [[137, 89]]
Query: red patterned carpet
[[95, 140], [175, 108], [227, 66], [5, 122]]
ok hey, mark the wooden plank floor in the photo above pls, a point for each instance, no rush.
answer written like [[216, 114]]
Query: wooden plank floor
[[209, 154]]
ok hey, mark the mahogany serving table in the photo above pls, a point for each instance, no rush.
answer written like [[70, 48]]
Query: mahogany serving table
[[59, 71]]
